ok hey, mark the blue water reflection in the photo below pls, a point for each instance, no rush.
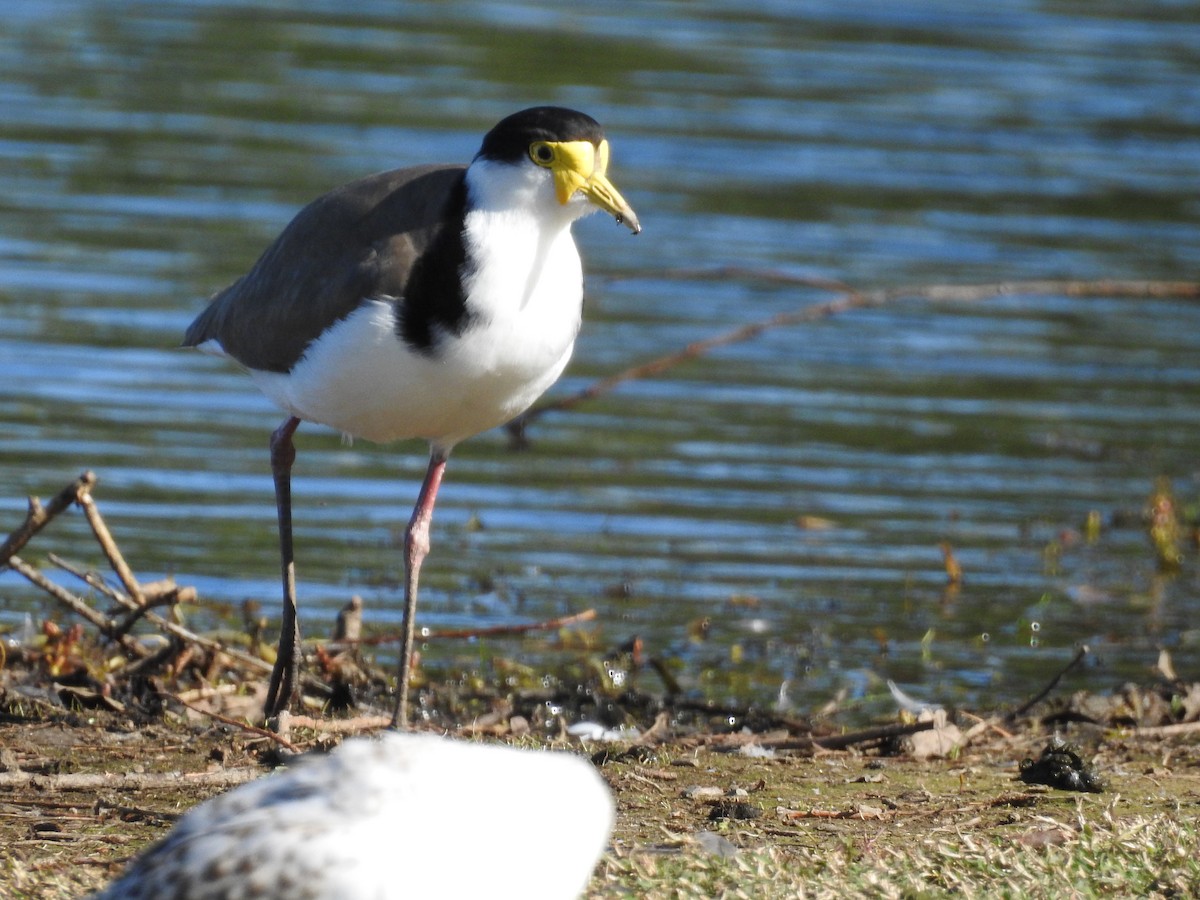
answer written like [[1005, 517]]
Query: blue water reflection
[[795, 488]]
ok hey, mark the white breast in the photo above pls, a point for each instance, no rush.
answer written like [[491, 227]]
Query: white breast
[[525, 293]]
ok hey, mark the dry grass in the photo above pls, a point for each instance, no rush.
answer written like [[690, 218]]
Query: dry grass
[[1138, 856], [839, 824]]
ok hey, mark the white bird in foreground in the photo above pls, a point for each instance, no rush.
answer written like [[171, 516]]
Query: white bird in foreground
[[407, 815]]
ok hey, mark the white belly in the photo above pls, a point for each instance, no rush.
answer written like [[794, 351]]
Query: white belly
[[360, 378]]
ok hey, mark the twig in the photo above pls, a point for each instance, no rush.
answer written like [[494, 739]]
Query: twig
[[233, 723], [110, 630], [357, 725], [77, 605], [981, 725], [92, 781], [191, 637], [734, 273], [91, 579], [140, 598], [849, 299], [1067, 287], [168, 597], [1044, 692], [1159, 731], [457, 634], [173, 628], [39, 516], [862, 812], [158, 593], [841, 741], [108, 545], [214, 646], [967, 293], [207, 692], [520, 628]]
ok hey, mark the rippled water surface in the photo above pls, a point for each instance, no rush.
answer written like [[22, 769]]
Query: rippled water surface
[[769, 516]]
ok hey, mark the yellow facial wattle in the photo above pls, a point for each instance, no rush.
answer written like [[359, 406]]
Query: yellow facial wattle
[[581, 166]]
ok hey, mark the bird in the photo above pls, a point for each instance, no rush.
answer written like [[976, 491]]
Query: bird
[[405, 815], [431, 302]]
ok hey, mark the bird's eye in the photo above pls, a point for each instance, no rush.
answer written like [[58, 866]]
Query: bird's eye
[[541, 153]]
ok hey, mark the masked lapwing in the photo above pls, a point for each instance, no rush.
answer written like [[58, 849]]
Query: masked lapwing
[[432, 302]]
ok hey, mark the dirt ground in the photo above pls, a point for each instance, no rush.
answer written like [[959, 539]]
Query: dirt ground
[[83, 791]]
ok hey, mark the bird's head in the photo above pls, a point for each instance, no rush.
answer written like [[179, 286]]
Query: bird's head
[[570, 146]]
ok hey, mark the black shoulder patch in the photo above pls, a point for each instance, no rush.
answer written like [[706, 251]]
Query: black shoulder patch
[[433, 302], [382, 236]]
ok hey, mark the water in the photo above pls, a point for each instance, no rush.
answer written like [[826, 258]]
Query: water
[[149, 151]]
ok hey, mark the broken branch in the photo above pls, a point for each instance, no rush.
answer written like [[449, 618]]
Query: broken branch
[[842, 741], [77, 605], [39, 516], [460, 633], [849, 299], [1044, 692], [89, 781], [233, 723], [108, 545]]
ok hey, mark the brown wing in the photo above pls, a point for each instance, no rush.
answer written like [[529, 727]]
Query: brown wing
[[361, 240]]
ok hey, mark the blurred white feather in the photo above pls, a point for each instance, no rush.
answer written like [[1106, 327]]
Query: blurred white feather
[[406, 815]]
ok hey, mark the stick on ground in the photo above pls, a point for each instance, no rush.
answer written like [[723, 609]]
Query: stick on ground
[[39, 516], [1044, 692]]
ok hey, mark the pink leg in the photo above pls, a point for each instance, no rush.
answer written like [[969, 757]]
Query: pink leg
[[416, 547], [286, 674]]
